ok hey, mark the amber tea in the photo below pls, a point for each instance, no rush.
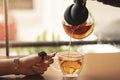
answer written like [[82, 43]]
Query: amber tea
[[71, 64], [80, 31]]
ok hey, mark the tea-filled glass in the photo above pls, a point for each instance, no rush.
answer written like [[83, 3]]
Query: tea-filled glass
[[70, 64]]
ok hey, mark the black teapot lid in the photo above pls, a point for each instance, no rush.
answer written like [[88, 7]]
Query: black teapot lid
[[76, 13]]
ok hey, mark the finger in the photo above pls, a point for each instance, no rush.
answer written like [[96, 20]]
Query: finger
[[50, 61], [43, 65], [53, 54], [40, 70], [36, 70], [50, 56]]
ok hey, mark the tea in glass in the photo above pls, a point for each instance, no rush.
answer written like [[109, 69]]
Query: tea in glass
[[71, 64]]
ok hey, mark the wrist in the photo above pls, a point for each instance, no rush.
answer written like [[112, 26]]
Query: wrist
[[16, 66]]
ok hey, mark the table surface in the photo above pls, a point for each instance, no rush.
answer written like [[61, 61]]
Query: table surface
[[50, 74]]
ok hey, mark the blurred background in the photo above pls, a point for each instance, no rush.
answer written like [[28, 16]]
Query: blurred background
[[36, 25]]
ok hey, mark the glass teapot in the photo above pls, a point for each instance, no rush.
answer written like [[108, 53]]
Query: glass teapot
[[78, 22]]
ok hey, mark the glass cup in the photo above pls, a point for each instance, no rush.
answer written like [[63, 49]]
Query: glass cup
[[70, 64]]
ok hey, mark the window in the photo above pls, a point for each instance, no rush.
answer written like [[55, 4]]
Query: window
[[34, 25], [20, 4]]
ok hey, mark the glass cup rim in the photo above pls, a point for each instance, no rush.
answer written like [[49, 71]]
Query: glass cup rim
[[72, 54]]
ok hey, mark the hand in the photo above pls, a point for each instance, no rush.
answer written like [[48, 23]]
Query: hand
[[33, 64]]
